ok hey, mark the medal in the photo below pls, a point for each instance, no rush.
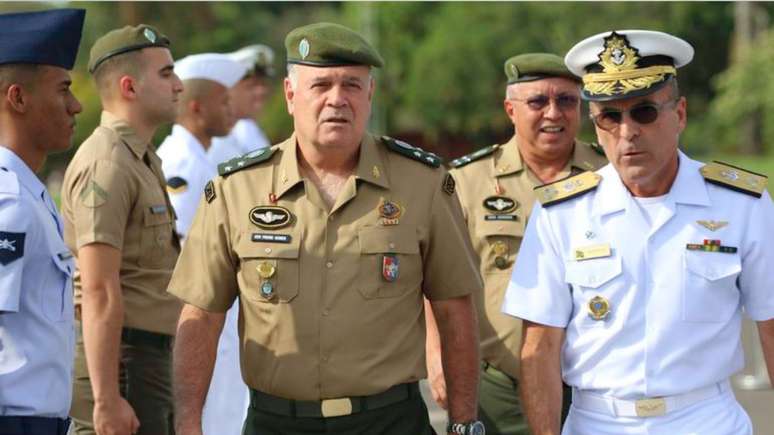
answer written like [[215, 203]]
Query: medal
[[265, 270], [501, 262], [267, 289], [599, 308]]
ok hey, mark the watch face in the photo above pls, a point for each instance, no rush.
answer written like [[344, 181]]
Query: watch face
[[477, 428]]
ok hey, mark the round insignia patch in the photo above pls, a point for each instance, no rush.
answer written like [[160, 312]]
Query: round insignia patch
[[271, 217], [149, 35], [501, 262], [500, 204], [303, 48], [390, 210], [599, 308], [267, 289]]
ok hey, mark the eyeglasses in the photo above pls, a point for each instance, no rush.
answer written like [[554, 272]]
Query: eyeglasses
[[540, 101], [611, 119]]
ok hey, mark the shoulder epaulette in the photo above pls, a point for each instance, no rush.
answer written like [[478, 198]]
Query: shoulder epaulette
[[245, 161], [597, 149], [472, 157], [567, 188], [741, 180], [412, 152], [9, 182]]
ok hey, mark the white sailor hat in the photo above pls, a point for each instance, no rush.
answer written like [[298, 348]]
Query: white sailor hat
[[218, 68], [258, 59], [626, 63]]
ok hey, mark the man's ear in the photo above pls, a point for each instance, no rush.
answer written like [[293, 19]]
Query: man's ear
[[17, 98], [289, 92], [127, 87]]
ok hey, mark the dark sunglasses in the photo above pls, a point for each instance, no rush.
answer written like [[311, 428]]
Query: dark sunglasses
[[540, 101], [610, 119]]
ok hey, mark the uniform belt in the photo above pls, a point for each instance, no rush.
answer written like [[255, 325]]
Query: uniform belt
[[332, 407], [645, 407], [28, 425], [138, 337]]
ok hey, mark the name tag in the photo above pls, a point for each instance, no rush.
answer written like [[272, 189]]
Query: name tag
[[591, 251], [158, 209], [276, 238], [501, 217]]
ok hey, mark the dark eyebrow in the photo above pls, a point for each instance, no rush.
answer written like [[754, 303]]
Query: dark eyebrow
[[167, 68]]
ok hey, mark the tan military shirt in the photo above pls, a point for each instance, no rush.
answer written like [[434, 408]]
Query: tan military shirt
[[330, 302], [114, 193], [496, 192]]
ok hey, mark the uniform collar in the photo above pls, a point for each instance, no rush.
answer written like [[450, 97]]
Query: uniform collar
[[370, 167], [125, 132], [509, 160], [191, 145], [27, 178], [688, 188]]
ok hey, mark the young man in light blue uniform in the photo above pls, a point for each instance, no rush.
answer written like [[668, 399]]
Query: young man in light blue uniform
[[37, 116]]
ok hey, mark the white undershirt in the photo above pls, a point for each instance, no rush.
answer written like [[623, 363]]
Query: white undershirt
[[651, 207]]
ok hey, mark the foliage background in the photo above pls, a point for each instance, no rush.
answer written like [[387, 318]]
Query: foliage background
[[443, 85]]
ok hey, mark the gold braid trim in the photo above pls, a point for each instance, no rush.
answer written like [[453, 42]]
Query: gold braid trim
[[631, 74], [624, 82]]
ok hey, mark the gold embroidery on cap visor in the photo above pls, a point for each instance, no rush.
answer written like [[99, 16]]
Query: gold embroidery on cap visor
[[620, 73]]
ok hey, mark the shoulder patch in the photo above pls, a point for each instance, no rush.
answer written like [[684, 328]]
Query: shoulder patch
[[9, 182], [245, 161], [412, 152], [11, 247], [734, 178], [567, 188], [472, 157], [209, 192], [177, 185]]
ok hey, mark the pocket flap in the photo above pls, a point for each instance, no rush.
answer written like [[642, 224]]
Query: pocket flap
[[592, 273], [388, 239], [254, 247], [713, 265], [156, 215], [501, 228]]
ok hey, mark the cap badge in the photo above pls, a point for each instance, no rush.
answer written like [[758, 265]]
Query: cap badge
[[618, 55], [149, 35], [303, 48]]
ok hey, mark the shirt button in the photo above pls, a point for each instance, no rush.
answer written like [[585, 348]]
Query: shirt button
[[329, 264], [324, 358], [267, 250], [392, 245], [326, 312]]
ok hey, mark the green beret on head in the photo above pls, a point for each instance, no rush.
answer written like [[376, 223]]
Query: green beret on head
[[535, 66], [124, 40], [328, 44]]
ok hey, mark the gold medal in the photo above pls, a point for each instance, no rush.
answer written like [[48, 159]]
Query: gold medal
[[265, 270], [599, 308], [500, 248]]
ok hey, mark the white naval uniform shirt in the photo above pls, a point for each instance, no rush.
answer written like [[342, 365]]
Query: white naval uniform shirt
[[246, 136], [37, 337], [183, 156], [675, 318]]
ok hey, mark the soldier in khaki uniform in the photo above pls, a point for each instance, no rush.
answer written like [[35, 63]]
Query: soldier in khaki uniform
[[329, 241], [495, 186], [120, 225]]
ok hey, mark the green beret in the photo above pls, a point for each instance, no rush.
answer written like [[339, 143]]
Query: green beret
[[124, 40], [327, 44], [535, 66]]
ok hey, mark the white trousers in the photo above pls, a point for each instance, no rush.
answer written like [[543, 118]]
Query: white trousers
[[719, 415], [228, 398]]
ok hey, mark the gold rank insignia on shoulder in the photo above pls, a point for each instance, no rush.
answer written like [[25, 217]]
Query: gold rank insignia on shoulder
[[568, 188], [599, 308], [591, 251], [741, 180]]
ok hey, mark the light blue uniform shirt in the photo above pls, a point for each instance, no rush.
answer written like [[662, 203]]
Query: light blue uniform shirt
[[37, 336]]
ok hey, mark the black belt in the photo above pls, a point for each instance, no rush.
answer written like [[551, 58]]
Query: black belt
[[138, 337], [33, 425], [332, 407]]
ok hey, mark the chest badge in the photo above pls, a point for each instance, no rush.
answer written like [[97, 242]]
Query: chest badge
[[267, 289], [265, 269], [712, 225], [500, 250], [500, 204], [271, 217], [599, 308], [390, 212], [390, 267]]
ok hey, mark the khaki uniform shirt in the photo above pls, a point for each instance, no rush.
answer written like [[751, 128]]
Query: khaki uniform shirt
[[114, 193], [331, 302], [497, 233]]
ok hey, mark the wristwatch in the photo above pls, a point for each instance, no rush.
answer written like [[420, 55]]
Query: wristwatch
[[469, 428]]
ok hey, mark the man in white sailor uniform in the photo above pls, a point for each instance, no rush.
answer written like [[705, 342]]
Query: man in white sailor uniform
[[631, 281]]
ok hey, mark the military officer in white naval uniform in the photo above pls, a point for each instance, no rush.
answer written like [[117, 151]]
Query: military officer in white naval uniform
[[631, 281], [37, 116], [205, 113]]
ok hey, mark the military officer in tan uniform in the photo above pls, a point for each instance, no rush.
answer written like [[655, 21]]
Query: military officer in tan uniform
[[329, 241], [495, 186], [120, 225]]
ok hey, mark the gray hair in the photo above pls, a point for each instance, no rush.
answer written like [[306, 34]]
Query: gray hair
[[293, 75]]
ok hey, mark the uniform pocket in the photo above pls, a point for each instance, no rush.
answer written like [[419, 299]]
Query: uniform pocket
[[56, 294], [269, 272], [595, 280], [156, 239], [710, 293], [390, 261]]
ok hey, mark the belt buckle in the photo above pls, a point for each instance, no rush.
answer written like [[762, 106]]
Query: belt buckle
[[650, 407], [336, 407]]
